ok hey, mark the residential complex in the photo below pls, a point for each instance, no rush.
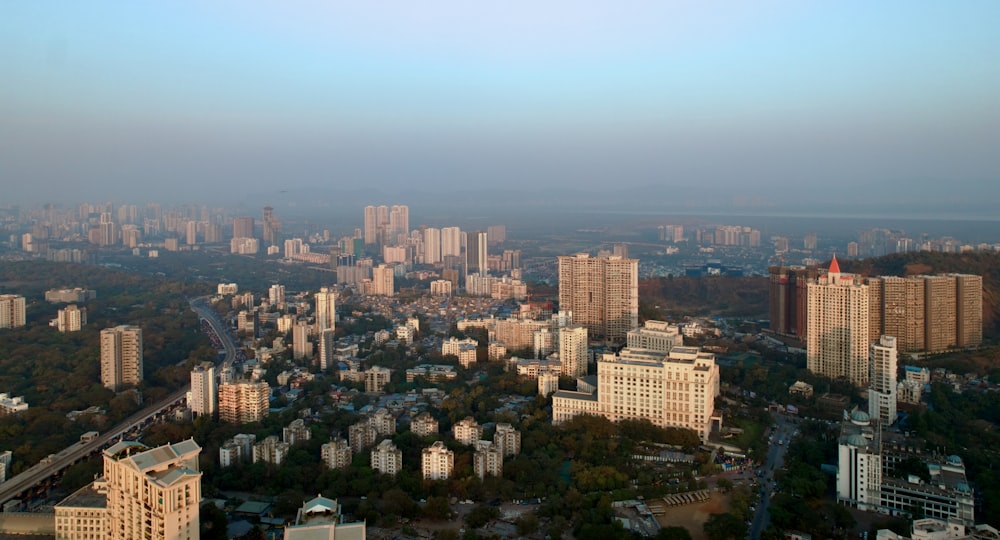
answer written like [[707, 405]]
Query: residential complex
[[602, 293], [204, 396], [437, 462], [243, 402], [837, 341], [12, 311], [71, 318]]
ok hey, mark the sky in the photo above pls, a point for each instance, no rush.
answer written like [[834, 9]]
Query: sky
[[770, 104]]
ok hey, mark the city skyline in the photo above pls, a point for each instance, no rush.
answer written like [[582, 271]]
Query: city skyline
[[779, 106]]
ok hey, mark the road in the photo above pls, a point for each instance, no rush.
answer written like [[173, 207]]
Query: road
[[775, 460], [47, 468]]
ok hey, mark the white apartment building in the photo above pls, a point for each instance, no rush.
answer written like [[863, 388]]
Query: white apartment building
[[677, 389], [437, 462], [12, 311], [838, 327], [204, 397], [336, 454], [882, 386], [386, 458], [423, 425], [121, 357], [71, 318], [548, 383], [507, 439], [573, 350], [441, 287], [271, 450], [487, 460], [655, 336], [468, 431]]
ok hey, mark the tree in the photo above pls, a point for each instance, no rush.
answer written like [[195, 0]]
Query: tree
[[213, 522], [724, 527], [673, 533]]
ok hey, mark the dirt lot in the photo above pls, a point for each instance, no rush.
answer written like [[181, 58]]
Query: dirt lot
[[693, 516]]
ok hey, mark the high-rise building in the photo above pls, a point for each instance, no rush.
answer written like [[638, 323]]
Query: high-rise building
[[432, 245], [940, 293], [488, 460], [276, 295], [204, 389], [371, 225], [477, 257], [437, 462], [121, 357], [675, 389], [507, 439], [837, 342], [467, 431], [272, 227], [326, 309], [602, 293], [497, 234], [573, 350], [243, 402], [327, 349], [383, 279], [152, 492], [301, 346], [969, 310], [243, 227], [399, 223], [71, 318], [882, 381], [11, 311], [451, 242], [897, 309], [423, 425]]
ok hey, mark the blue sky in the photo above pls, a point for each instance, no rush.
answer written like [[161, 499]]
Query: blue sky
[[783, 102]]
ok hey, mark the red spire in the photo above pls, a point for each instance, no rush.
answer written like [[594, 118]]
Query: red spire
[[834, 267]]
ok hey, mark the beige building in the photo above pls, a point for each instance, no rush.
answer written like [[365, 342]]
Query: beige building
[[11, 311], [507, 439], [655, 336], [84, 514], [386, 458], [437, 462], [71, 318], [153, 492], [321, 519], [423, 425], [837, 342], [487, 460], [383, 281], [940, 308], [602, 293], [243, 402], [204, 395], [675, 389], [882, 381], [376, 378], [271, 450], [573, 350], [468, 431], [121, 357], [336, 454], [326, 309]]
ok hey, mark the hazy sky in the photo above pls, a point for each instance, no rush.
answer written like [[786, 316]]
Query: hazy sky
[[750, 103]]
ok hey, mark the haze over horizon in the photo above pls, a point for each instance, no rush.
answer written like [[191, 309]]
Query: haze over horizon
[[776, 106]]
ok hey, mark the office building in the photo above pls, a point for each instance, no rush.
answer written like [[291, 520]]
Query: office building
[[204, 390], [243, 402], [437, 462], [386, 458], [675, 389], [882, 381], [11, 311], [602, 293], [326, 309], [121, 357], [336, 454], [71, 318], [837, 341]]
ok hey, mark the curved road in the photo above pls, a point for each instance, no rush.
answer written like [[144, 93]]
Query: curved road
[[45, 469]]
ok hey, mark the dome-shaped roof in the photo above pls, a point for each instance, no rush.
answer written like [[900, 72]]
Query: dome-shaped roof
[[860, 417], [954, 460], [857, 440]]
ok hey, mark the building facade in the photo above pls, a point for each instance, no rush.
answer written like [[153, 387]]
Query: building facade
[[204, 390], [837, 342], [602, 293], [243, 402], [121, 357], [437, 462]]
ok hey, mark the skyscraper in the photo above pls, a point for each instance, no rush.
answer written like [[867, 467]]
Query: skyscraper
[[477, 260], [121, 357], [243, 402], [371, 225], [882, 381], [272, 227], [399, 223], [837, 341], [326, 309], [432, 245], [969, 310], [940, 308], [383, 280], [602, 293], [204, 389], [451, 242], [243, 227], [573, 350]]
